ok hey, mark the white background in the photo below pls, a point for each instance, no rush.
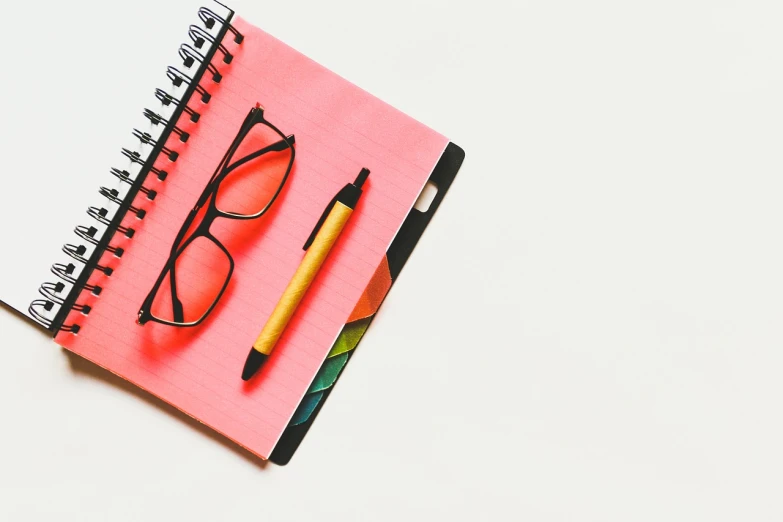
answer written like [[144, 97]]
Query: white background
[[589, 330]]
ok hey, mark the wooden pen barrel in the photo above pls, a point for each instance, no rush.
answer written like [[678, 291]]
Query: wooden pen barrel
[[304, 276]]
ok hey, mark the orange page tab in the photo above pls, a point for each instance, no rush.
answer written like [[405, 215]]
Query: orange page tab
[[339, 129]]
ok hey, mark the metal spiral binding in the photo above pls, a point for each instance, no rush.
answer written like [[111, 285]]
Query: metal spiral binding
[[177, 77], [167, 99], [58, 293], [189, 56], [101, 216], [135, 157], [157, 119], [124, 176], [113, 195], [208, 17], [199, 36], [65, 272], [146, 139], [88, 234], [51, 291]]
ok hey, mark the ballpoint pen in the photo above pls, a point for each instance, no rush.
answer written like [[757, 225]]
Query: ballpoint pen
[[318, 245]]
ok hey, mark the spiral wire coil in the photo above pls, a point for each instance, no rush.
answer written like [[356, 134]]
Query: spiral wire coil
[[89, 254]]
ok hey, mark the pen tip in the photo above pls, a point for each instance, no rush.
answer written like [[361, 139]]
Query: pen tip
[[361, 178], [255, 360]]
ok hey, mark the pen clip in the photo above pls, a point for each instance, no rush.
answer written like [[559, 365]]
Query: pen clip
[[320, 223], [349, 196]]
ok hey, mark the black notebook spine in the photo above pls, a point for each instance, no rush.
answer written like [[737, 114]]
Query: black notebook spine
[[60, 298]]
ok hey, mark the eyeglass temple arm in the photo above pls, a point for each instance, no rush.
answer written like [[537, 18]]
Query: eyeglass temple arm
[[177, 310], [275, 147], [279, 146]]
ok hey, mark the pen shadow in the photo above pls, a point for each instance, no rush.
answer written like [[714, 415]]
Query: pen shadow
[[86, 369]]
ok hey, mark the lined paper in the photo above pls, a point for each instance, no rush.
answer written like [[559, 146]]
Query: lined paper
[[339, 129]]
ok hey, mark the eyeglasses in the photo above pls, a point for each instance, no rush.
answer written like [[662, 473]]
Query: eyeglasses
[[199, 267]]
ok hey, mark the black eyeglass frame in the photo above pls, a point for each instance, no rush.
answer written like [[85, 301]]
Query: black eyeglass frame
[[209, 196]]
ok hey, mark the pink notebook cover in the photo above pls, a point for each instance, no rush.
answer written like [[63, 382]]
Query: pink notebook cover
[[339, 129]]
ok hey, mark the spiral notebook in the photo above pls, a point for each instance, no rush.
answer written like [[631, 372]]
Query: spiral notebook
[[103, 273]]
